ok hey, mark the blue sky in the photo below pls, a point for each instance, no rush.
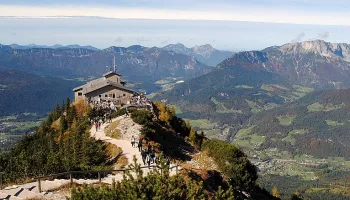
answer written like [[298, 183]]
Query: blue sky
[[226, 24]]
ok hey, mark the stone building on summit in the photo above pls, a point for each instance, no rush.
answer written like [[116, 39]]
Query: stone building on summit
[[109, 88]]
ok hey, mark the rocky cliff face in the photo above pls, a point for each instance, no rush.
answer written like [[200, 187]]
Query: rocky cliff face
[[316, 64], [205, 50], [320, 47], [204, 53]]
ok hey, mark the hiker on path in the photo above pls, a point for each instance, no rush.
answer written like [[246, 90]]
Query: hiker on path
[[168, 161], [148, 159], [133, 141], [139, 145], [149, 148], [152, 155], [143, 154], [126, 111], [96, 126]]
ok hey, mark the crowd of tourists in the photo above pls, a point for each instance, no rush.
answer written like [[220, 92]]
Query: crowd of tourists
[[97, 122], [102, 104], [148, 154], [142, 101]]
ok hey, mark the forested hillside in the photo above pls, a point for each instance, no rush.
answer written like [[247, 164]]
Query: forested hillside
[[63, 143], [230, 94], [302, 146], [25, 92], [316, 125]]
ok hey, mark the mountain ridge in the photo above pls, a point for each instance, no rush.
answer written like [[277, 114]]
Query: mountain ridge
[[138, 64], [315, 64], [56, 46], [203, 53]]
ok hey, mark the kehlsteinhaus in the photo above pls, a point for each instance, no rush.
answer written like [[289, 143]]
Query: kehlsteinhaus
[[107, 89]]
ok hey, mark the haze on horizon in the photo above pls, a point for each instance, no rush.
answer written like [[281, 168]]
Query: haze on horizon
[[227, 25]]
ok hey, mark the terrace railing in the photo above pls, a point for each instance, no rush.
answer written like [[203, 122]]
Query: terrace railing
[[98, 172]]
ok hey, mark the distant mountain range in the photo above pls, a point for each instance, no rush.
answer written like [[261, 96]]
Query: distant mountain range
[[205, 53], [316, 63], [270, 95], [269, 78], [282, 106], [253, 81], [137, 64], [56, 46]]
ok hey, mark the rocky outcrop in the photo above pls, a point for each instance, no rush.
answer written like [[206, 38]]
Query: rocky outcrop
[[128, 128], [317, 64], [319, 47]]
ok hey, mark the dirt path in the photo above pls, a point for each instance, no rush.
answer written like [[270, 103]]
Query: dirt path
[[128, 150]]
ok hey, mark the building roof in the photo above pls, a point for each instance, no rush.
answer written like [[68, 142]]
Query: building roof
[[98, 84], [111, 73]]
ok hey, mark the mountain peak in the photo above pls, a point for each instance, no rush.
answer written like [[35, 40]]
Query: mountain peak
[[315, 46], [203, 53], [205, 46], [204, 50], [178, 48], [320, 47], [177, 45], [250, 57]]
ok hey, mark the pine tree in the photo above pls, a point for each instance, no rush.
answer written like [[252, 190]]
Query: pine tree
[[56, 112], [2, 162], [63, 124], [71, 115], [67, 103], [221, 194], [193, 136], [63, 106], [201, 140]]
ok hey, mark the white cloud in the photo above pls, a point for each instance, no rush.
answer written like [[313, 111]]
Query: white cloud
[[270, 15], [119, 39]]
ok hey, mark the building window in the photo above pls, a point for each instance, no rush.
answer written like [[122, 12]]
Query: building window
[[123, 95], [113, 96], [106, 95], [110, 95], [80, 94], [99, 95]]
